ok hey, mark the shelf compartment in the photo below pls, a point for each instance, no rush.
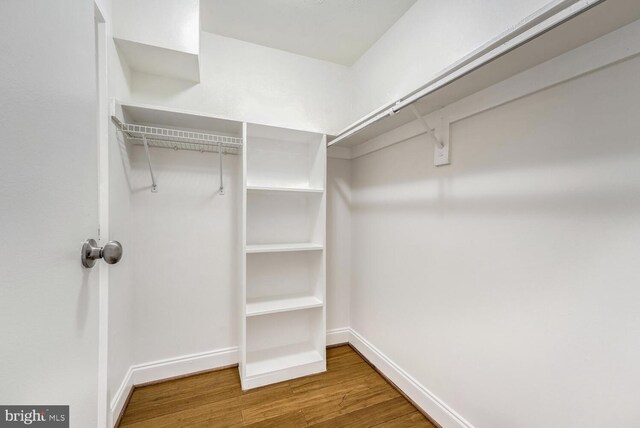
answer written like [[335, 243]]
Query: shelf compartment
[[285, 158], [283, 329], [285, 217], [273, 275], [282, 358], [283, 346], [266, 306], [280, 248]]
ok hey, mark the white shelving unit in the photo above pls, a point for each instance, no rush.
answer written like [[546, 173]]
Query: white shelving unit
[[283, 322]]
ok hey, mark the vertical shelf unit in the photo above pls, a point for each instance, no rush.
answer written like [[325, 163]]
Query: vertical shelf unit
[[283, 316]]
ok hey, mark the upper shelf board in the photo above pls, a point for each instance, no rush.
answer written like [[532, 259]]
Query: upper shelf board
[[283, 189], [160, 61], [160, 116], [282, 248], [283, 304]]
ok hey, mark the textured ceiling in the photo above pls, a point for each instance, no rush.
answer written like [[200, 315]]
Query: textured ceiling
[[339, 31]]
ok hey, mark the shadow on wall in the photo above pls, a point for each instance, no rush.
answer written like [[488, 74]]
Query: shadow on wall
[[124, 156], [182, 166], [159, 86], [565, 149]]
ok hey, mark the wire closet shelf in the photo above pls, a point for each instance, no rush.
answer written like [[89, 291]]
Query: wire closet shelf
[[178, 139]]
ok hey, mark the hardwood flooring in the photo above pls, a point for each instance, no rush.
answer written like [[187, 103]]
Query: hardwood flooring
[[351, 393]]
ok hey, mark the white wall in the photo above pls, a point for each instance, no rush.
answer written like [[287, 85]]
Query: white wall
[[430, 36], [436, 248], [252, 83], [244, 81], [506, 282], [184, 238], [48, 207], [338, 242]]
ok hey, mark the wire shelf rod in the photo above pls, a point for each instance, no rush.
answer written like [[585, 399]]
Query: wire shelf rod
[[153, 136], [178, 139]]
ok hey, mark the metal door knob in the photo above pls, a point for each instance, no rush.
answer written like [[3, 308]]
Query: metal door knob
[[111, 252]]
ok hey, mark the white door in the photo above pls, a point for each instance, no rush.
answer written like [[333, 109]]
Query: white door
[[49, 333]]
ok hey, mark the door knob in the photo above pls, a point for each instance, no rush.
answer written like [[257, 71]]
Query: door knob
[[111, 252]]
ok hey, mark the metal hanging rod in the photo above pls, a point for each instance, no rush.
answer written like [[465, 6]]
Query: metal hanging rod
[[555, 13]]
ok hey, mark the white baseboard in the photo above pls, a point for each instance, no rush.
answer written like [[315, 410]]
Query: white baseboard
[[421, 396], [169, 368], [338, 336], [120, 397], [187, 364]]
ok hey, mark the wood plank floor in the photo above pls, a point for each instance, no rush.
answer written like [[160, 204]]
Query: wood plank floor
[[351, 393]]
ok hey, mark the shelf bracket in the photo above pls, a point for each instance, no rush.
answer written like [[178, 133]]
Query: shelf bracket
[[221, 190], [154, 185], [441, 147]]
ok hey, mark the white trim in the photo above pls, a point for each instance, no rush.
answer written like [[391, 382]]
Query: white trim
[[612, 48], [338, 336], [169, 368], [418, 393], [120, 397], [188, 364]]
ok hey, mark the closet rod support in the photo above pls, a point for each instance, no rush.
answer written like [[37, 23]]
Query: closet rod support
[[154, 185], [221, 190], [441, 147], [429, 130]]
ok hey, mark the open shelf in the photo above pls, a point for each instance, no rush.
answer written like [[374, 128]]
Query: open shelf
[[284, 217], [281, 248], [274, 275], [284, 345], [283, 189], [263, 306], [281, 358], [284, 158]]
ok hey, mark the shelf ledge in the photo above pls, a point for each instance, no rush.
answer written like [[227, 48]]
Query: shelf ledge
[[283, 189], [282, 304], [281, 248]]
